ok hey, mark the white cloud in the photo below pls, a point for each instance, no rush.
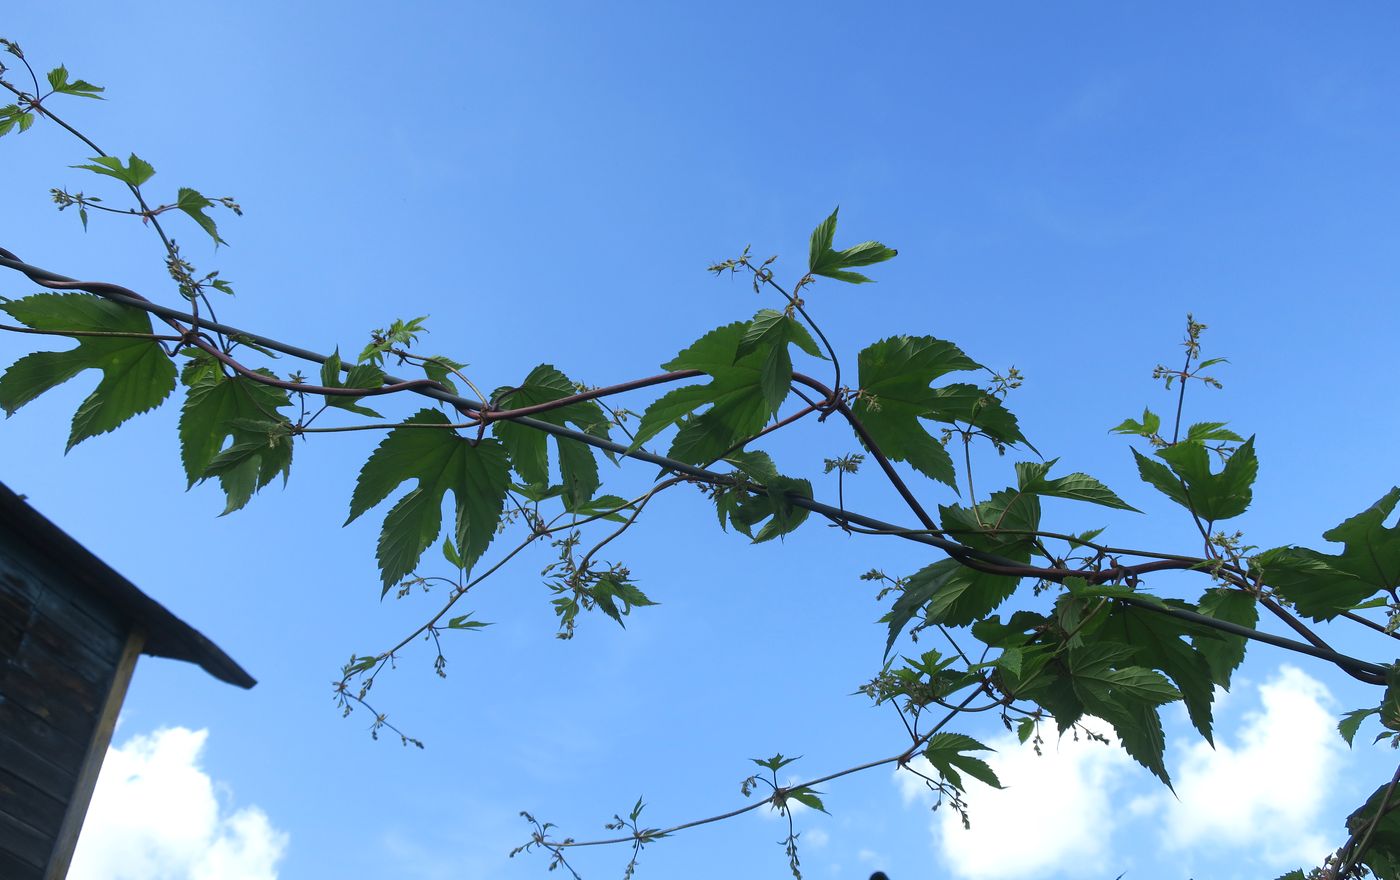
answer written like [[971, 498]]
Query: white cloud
[[154, 815], [1012, 833], [1263, 791]]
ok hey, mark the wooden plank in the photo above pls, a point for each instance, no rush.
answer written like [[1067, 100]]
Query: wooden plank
[[92, 763], [19, 688], [12, 868], [38, 735], [44, 594], [39, 808], [24, 842], [31, 577], [36, 768], [81, 681]]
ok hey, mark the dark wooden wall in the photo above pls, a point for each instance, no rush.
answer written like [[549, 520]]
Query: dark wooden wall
[[62, 650]]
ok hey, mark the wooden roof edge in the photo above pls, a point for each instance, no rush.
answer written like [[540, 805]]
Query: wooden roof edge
[[166, 634]]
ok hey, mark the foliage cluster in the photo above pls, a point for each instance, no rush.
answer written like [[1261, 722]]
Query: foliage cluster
[[1091, 643]]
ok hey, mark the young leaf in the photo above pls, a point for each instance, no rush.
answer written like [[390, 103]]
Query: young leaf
[[613, 586], [824, 260], [439, 369], [194, 204], [137, 375], [1031, 479], [136, 172], [219, 409], [895, 392], [805, 795], [1151, 423], [777, 762], [359, 376], [945, 753], [528, 447], [11, 116], [476, 473], [1351, 722], [59, 82], [1214, 497], [1203, 432]]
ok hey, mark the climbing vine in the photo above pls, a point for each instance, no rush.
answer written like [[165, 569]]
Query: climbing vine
[[1097, 642]]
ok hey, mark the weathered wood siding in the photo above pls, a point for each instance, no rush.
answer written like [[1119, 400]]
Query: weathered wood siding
[[59, 649]]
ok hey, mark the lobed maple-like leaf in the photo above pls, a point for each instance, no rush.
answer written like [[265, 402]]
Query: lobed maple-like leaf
[[242, 413], [529, 453], [477, 473], [825, 260], [137, 375], [738, 405], [1322, 586], [895, 379]]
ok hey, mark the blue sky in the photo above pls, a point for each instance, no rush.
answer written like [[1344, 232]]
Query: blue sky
[[548, 182]]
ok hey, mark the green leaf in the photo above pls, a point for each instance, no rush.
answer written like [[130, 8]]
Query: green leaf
[[950, 594], [137, 375], [1160, 477], [58, 81], [1214, 497], [1158, 642], [1316, 583], [1125, 696], [744, 510], [359, 376], [1351, 722], [601, 503], [824, 260], [1381, 849], [1372, 550], [477, 473], [439, 369], [194, 204], [739, 402], [945, 753], [136, 172], [978, 409], [1224, 652], [1203, 432], [238, 411], [980, 527], [528, 447], [775, 763], [895, 392], [770, 332], [1151, 423], [11, 116], [773, 328], [1031, 479], [449, 552], [612, 587], [805, 795]]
